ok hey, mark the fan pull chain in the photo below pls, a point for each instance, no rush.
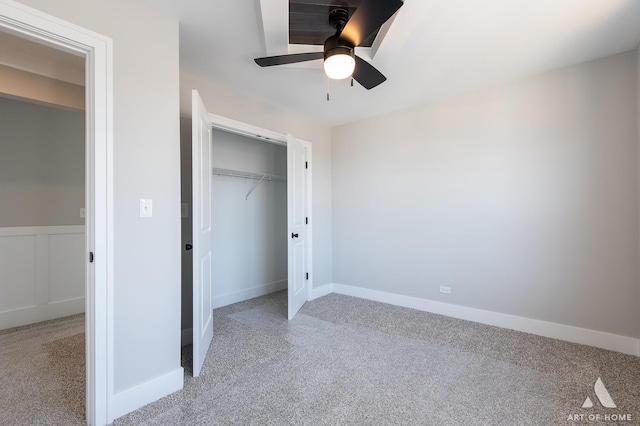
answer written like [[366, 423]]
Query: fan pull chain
[[327, 89]]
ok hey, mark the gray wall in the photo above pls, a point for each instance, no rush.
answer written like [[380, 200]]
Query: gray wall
[[249, 235], [41, 164], [522, 198], [146, 165]]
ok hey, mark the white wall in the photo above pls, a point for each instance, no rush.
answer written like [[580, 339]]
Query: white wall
[[225, 102], [249, 234], [42, 270], [146, 165], [522, 198], [41, 165]]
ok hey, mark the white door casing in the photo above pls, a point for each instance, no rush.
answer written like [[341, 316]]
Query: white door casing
[[296, 225], [32, 24], [202, 177]]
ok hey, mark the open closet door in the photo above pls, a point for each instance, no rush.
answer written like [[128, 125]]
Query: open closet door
[[201, 174], [296, 224]]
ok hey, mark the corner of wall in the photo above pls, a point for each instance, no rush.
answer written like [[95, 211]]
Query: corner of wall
[[638, 160]]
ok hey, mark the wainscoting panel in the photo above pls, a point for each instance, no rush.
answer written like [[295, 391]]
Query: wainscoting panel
[[41, 273], [17, 272]]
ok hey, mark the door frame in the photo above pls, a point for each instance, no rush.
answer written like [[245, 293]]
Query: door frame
[[29, 23], [254, 132]]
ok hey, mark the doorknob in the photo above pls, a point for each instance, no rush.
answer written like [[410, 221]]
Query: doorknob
[[188, 246], [294, 235]]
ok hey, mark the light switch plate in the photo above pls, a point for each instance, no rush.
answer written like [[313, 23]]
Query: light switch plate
[[83, 212], [185, 210], [146, 207]]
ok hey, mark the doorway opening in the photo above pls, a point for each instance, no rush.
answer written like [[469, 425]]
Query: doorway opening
[[96, 52], [42, 226], [249, 212], [221, 270]]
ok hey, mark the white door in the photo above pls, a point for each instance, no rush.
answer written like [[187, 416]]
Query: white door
[[201, 174], [296, 224]]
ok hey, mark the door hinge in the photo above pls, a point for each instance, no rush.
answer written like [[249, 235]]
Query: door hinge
[[307, 275], [306, 220], [306, 164], [90, 257]]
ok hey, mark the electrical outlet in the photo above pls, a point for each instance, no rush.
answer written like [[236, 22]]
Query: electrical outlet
[[445, 290]]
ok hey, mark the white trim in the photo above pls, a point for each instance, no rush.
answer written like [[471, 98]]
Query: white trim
[[244, 129], [318, 292], [41, 230], [599, 339], [145, 393], [43, 307], [248, 293], [30, 23], [32, 314]]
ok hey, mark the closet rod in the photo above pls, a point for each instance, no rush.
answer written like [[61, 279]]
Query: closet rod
[[248, 175], [259, 177]]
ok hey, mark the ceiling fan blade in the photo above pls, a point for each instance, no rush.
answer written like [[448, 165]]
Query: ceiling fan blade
[[367, 18], [366, 74], [270, 61]]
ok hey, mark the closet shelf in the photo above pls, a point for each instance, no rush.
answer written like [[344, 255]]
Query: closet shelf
[[248, 175], [259, 177]]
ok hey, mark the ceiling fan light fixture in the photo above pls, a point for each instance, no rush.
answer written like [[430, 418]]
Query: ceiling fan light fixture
[[339, 63]]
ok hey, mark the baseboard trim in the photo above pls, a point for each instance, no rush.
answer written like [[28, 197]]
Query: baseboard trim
[[249, 293], [145, 393], [323, 290], [599, 339], [32, 314]]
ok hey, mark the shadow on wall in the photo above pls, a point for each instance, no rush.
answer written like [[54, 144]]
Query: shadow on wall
[[187, 225]]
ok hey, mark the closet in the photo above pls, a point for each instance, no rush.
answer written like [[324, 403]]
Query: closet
[[248, 220], [249, 217]]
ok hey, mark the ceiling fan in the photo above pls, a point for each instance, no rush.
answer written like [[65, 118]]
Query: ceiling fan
[[340, 61]]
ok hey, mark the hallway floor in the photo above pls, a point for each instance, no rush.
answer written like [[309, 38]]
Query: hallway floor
[[42, 373]]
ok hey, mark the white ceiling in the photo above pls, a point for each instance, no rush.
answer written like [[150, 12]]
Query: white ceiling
[[433, 49]]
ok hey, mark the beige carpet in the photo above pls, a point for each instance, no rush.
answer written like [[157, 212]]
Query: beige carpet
[[347, 361], [42, 373], [341, 361]]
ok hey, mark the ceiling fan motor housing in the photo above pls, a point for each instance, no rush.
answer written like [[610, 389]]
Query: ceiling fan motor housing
[[338, 18], [335, 46]]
